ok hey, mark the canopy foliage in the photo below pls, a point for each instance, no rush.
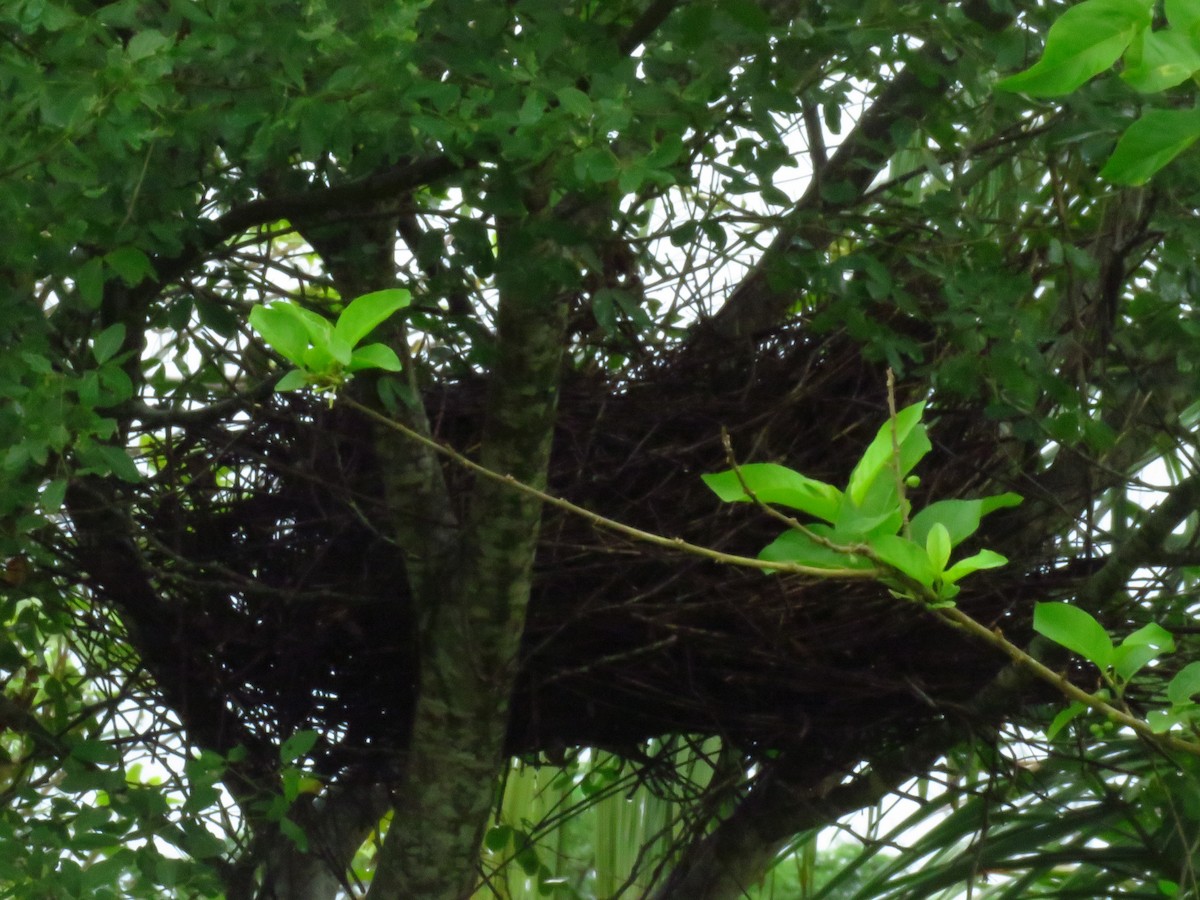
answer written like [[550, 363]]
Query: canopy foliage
[[263, 644]]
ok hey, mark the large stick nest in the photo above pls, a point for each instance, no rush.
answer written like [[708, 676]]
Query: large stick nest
[[285, 596]]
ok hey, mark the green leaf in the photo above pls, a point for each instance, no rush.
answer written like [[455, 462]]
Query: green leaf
[[937, 546], [374, 356], [574, 101], [1064, 718], [367, 312], [297, 745], [1183, 15], [97, 752], [89, 281], [984, 559], [131, 264], [795, 547], [747, 13], [1082, 43], [960, 517], [879, 454], [294, 380], [908, 557], [597, 164], [1139, 648], [145, 43], [294, 833], [282, 328], [1075, 629], [1150, 143], [113, 459], [53, 496], [108, 342], [773, 483], [498, 837], [1185, 684], [1168, 58], [339, 349]]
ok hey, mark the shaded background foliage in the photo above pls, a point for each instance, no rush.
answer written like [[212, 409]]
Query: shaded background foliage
[[200, 569]]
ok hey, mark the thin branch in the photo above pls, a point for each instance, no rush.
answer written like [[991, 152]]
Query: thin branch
[[611, 524]]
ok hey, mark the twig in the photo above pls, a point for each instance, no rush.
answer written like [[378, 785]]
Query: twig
[[918, 593], [900, 492], [611, 524]]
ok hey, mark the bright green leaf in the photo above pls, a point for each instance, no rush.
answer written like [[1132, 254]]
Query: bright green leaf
[[319, 358], [292, 381], [339, 349], [984, 559], [909, 558], [1064, 718], [1185, 684], [795, 547], [367, 312], [1168, 58], [879, 454], [282, 328], [374, 356], [937, 546], [1082, 43], [1151, 635], [1183, 15], [772, 483], [960, 517], [1128, 660], [1151, 143], [1075, 629]]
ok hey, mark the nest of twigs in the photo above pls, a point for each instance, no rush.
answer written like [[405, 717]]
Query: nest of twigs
[[282, 595]]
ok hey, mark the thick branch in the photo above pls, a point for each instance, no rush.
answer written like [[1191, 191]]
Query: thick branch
[[471, 628]]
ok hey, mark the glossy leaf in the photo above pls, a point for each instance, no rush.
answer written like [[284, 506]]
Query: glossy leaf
[[1167, 58], [292, 381], [773, 483], [1150, 143], [984, 559], [904, 555], [960, 517], [879, 453], [1075, 629], [281, 327], [1064, 718], [795, 547], [364, 314], [1086, 40], [1139, 648], [937, 546], [374, 356], [1185, 685]]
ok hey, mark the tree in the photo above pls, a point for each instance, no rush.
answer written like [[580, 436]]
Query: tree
[[284, 644]]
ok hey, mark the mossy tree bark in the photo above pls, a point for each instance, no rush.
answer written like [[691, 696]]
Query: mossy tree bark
[[472, 621]]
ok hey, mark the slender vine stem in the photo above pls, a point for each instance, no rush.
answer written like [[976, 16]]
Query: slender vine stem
[[918, 593], [600, 521]]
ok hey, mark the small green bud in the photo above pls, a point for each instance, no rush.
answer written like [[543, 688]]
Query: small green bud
[[912, 481]]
